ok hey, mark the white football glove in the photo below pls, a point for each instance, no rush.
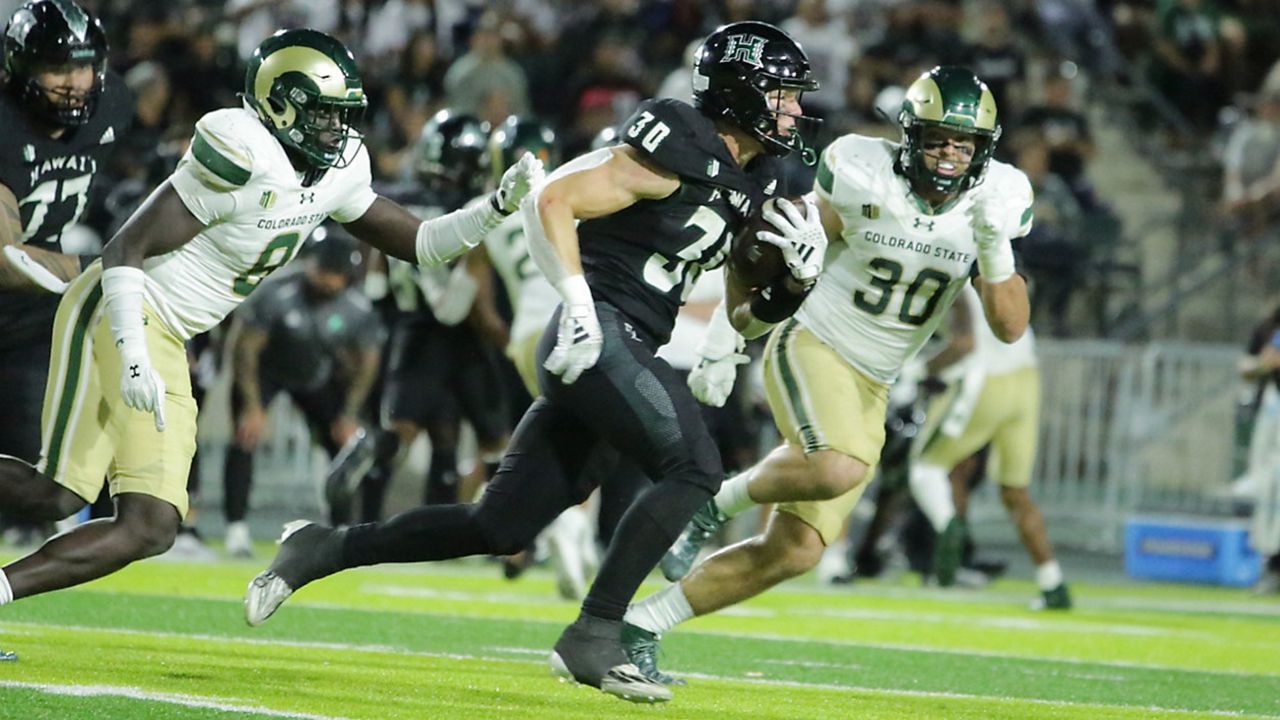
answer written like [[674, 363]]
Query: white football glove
[[517, 181], [141, 385], [995, 252], [802, 239], [578, 339], [34, 271], [721, 353]]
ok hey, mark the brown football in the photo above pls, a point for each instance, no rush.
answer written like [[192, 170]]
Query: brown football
[[755, 262]]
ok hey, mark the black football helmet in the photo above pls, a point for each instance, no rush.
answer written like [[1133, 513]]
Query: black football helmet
[[306, 88], [518, 135], [738, 66], [45, 34], [451, 154]]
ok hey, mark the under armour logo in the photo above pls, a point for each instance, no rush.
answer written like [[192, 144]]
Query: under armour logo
[[133, 372], [922, 224], [308, 197], [631, 331], [747, 48]]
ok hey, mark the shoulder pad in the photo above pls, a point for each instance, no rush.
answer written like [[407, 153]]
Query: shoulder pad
[[852, 159], [677, 138], [1012, 192], [220, 148]]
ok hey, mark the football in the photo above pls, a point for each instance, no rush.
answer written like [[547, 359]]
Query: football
[[755, 262]]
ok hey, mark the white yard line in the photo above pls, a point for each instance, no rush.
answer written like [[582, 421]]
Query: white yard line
[[191, 701], [163, 697]]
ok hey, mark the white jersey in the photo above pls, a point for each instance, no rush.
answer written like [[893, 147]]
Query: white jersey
[[236, 180], [533, 299], [897, 269]]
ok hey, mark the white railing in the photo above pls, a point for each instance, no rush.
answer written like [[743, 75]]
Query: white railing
[[1127, 429]]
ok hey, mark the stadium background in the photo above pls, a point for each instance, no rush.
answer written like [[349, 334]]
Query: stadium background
[[1146, 280]]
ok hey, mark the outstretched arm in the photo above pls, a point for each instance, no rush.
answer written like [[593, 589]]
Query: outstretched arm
[[399, 233]]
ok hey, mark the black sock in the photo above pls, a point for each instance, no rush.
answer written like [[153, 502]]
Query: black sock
[[237, 477], [648, 528], [432, 532], [442, 478]]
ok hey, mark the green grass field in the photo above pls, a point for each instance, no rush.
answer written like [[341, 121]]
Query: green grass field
[[166, 640]]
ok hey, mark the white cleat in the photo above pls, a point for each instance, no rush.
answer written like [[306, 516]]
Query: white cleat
[[239, 544], [268, 591], [564, 545]]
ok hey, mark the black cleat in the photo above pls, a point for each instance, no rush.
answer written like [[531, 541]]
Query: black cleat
[[307, 552], [590, 652]]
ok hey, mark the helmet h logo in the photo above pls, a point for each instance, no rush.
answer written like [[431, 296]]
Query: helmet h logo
[[747, 48]]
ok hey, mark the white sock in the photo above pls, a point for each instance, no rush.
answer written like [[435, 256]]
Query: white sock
[[660, 611], [931, 489], [1049, 575], [733, 497], [6, 592]]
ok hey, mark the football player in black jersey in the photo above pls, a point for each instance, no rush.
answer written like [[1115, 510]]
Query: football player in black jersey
[[442, 370], [621, 233], [61, 111]]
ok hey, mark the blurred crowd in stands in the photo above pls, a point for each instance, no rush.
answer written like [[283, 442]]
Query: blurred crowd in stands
[[583, 65]]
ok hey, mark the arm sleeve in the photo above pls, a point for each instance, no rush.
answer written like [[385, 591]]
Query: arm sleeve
[[361, 195], [216, 166]]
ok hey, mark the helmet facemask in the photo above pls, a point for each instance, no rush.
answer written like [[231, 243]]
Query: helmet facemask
[[916, 167], [322, 126]]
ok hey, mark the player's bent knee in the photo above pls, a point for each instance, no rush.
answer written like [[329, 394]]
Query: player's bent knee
[[502, 536], [1015, 499], [791, 547], [833, 474], [148, 524]]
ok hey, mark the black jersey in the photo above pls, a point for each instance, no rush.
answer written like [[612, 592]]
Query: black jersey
[[51, 179], [644, 259], [403, 278]]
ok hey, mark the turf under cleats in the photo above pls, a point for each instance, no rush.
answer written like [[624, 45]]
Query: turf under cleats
[[590, 652], [307, 552], [949, 551], [642, 647], [679, 559], [1056, 599]]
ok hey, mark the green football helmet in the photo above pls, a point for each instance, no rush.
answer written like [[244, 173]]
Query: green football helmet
[[950, 97], [517, 135], [306, 89]]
